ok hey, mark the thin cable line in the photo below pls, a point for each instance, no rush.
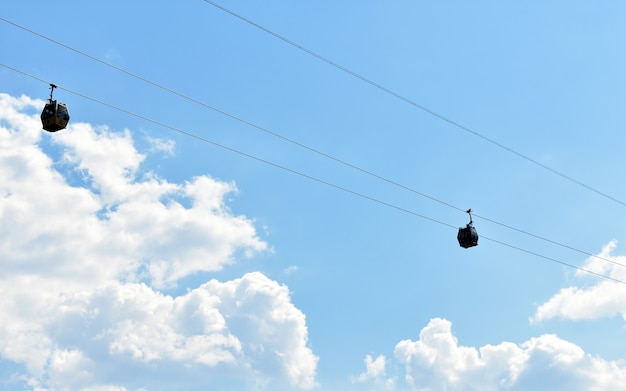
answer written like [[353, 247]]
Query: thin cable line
[[275, 134], [292, 141], [306, 176], [553, 260], [232, 116], [280, 136], [413, 103], [205, 140], [550, 241]]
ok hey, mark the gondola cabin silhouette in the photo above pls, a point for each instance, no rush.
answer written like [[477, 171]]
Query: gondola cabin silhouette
[[468, 237], [55, 115]]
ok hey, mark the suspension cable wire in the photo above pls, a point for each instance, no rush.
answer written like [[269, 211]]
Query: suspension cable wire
[[292, 141], [553, 260], [205, 140], [232, 116], [550, 241], [415, 104], [303, 175]]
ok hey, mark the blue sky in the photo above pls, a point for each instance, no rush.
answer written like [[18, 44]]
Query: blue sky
[[136, 257]]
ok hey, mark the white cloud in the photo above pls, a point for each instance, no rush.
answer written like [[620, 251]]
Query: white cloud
[[82, 265], [161, 145], [120, 219], [437, 362], [606, 298], [373, 368], [290, 269], [375, 372]]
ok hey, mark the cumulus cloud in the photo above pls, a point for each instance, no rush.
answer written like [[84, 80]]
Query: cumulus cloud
[[161, 145], [88, 242], [605, 298], [375, 372], [436, 361]]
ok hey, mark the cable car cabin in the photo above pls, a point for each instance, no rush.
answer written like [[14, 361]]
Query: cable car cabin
[[54, 116], [468, 237]]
